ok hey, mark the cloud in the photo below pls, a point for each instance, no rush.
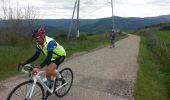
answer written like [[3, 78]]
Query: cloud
[[159, 2], [96, 8]]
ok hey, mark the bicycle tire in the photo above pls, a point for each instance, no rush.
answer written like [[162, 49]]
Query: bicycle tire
[[22, 91], [69, 84]]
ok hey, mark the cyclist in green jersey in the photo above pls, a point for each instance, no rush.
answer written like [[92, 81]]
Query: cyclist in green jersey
[[54, 52]]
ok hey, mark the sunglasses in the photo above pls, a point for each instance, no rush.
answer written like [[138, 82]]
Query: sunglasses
[[37, 37]]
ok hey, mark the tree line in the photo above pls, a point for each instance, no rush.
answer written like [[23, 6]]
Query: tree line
[[18, 22]]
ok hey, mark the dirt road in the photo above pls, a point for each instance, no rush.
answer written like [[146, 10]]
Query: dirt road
[[104, 74]]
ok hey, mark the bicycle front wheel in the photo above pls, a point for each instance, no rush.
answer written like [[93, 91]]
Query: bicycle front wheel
[[67, 75], [21, 91]]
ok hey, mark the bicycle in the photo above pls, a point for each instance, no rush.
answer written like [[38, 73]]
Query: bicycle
[[36, 89]]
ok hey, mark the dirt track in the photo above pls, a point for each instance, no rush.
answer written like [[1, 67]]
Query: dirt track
[[104, 74]]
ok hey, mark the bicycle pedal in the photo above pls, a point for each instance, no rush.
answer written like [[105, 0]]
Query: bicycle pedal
[[45, 98], [48, 94], [63, 81]]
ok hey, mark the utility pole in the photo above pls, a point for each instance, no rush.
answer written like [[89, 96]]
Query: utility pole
[[78, 5], [112, 13], [68, 36]]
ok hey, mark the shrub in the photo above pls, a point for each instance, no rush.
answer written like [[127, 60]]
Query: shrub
[[83, 36]]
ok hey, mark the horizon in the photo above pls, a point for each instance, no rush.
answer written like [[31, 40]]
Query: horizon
[[92, 18]]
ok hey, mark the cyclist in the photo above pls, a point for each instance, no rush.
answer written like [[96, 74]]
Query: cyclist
[[54, 52], [112, 38]]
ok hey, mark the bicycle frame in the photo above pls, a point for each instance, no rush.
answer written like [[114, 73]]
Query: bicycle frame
[[38, 78]]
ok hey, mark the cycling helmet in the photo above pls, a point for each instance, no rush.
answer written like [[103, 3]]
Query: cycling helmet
[[38, 32]]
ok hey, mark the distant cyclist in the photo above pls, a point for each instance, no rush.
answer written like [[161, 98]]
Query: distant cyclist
[[54, 52], [112, 38]]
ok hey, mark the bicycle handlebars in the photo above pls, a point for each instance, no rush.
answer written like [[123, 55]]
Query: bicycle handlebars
[[27, 68]]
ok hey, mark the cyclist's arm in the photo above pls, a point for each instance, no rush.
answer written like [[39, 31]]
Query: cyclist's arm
[[34, 57], [51, 47]]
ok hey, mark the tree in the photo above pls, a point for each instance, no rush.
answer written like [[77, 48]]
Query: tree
[[18, 20]]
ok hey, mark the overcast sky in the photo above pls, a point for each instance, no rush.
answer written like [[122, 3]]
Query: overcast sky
[[54, 9]]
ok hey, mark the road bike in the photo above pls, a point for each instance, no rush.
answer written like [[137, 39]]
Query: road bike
[[36, 89]]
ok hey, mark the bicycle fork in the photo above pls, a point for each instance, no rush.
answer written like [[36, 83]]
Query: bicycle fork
[[30, 91]]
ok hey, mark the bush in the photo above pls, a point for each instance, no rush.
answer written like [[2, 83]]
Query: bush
[[83, 36], [62, 36], [164, 26]]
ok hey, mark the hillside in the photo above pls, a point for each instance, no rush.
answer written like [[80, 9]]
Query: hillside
[[98, 25], [125, 24], [63, 22], [105, 24]]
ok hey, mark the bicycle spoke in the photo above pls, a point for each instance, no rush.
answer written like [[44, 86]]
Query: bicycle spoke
[[22, 90], [19, 95], [35, 98], [67, 75], [35, 94]]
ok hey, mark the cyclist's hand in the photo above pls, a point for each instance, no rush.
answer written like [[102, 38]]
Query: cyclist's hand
[[35, 70], [20, 65]]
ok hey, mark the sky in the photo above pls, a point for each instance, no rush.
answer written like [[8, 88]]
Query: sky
[[92, 9]]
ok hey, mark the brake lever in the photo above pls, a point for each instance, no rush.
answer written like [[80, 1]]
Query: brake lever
[[19, 67], [30, 69]]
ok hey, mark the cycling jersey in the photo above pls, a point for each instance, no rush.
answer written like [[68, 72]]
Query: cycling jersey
[[112, 35], [51, 49]]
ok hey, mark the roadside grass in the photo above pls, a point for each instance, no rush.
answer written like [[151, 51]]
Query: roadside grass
[[10, 56], [79, 45], [153, 81], [165, 35]]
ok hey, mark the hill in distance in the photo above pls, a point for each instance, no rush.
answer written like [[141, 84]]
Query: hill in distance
[[102, 24], [105, 24]]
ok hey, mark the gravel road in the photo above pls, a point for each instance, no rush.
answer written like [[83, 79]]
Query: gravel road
[[102, 74]]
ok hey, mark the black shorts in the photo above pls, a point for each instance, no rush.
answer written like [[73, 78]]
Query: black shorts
[[58, 60]]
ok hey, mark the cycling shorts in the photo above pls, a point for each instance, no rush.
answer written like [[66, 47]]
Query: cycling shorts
[[58, 61]]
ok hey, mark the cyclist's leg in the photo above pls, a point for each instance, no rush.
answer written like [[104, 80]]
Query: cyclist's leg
[[111, 43], [51, 69], [58, 61]]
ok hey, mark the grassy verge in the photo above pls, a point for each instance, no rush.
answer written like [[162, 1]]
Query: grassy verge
[[10, 56], [154, 74], [151, 81], [165, 35]]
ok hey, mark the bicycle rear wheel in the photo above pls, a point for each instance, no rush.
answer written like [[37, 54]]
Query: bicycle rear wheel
[[67, 75], [21, 90]]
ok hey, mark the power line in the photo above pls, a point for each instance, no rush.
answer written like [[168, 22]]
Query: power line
[[78, 5], [112, 13], [96, 9], [68, 36]]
